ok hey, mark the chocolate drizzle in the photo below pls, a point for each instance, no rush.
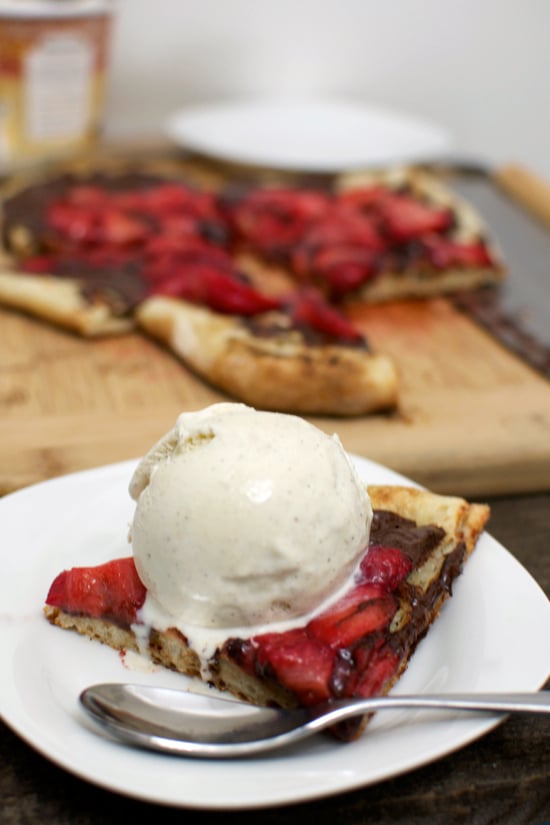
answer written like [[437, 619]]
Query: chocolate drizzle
[[485, 307], [28, 208], [417, 542]]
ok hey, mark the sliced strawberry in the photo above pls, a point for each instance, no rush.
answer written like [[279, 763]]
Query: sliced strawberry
[[301, 664], [364, 198], [95, 225], [309, 309], [386, 566], [272, 220], [111, 591], [444, 253], [87, 194], [352, 663], [39, 264], [169, 246], [343, 269], [365, 609], [210, 284], [116, 227], [76, 223], [381, 665], [405, 218]]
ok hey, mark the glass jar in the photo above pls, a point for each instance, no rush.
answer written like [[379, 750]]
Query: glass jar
[[53, 65]]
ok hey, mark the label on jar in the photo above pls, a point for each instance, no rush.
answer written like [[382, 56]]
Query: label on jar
[[52, 80], [57, 77]]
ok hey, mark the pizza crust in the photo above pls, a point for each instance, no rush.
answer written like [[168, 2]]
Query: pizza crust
[[279, 373], [60, 301]]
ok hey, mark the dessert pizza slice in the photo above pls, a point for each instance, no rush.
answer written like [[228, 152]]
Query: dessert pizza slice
[[357, 647]]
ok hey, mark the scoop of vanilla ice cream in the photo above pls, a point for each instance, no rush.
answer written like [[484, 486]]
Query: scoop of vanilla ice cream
[[246, 517]]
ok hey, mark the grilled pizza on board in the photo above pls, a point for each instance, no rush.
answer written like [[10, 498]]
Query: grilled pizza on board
[[357, 647], [248, 285]]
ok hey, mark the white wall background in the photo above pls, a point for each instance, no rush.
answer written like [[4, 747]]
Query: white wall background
[[481, 68]]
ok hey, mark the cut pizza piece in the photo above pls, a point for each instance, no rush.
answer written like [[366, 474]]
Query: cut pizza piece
[[357, 647], [302, 356]]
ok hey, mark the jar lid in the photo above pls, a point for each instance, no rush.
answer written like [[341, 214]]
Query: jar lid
[[47, 9]]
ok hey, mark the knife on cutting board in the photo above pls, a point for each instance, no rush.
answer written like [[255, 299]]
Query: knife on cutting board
[[515, 205]]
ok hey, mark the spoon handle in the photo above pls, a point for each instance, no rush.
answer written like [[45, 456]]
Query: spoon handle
[[488, 702]]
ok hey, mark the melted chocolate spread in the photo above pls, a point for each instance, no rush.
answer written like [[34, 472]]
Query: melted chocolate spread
[[29, 207], [391, 530], [121, 286], [485, 307], [417, 542], [275, 325]]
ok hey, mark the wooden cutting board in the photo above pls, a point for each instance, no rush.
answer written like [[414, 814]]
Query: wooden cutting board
[[473, 419]]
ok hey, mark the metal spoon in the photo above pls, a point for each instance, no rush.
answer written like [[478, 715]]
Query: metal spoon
[[188, 724]]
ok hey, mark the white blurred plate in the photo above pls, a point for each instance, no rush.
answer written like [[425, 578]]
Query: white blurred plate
[[306, 135]]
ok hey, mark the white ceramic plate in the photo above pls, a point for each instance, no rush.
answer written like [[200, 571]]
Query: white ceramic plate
[[82, 519], [308, 136]]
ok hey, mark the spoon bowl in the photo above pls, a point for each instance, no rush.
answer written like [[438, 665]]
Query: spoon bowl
[[187, 724]]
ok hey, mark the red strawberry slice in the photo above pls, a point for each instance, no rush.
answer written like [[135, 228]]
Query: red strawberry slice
[[87, 194], [166, 199], [272, 220], [364, 198], [111, 591], [366, 609], [75, 223], [343, 269], [210, 284], [163, 254], [343, 225], [385, 566], [444, 253], [301, 664], [405, 218], [309, 309], [117, 227], [39, 264], [94, 225], [381, 666]]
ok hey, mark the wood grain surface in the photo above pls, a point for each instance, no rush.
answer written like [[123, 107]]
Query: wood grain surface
[[473, 419]]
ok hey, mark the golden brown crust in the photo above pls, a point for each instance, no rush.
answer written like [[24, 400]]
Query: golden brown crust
[[99, 629], [61, 302], [279, 372], [462, 522]]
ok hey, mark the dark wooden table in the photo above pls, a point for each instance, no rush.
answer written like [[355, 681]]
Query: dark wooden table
[[502, 778]]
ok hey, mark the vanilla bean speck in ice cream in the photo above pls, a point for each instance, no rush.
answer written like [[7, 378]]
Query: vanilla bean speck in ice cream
[[246, 517]]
